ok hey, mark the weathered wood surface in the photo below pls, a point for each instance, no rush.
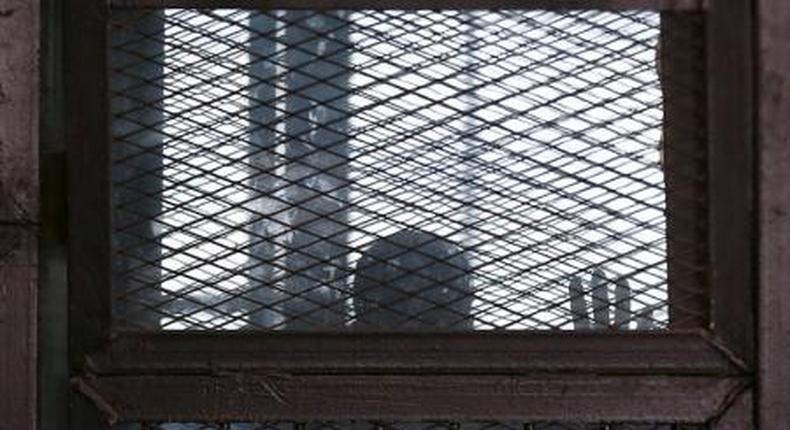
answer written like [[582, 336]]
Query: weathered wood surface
[[18, 211], [774, 177], [464, 353], [256, 397]]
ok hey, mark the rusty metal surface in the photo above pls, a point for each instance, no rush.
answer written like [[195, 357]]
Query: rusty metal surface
[[18, 212], [687, 5], [732, 221], [239, 396], [630, 353], [774, 177]]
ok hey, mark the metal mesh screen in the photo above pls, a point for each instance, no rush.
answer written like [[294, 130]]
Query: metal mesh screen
[[406, 170], [408, 426]]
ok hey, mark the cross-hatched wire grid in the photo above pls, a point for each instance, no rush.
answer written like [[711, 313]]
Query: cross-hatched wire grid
[[405, 170], [427, 425]]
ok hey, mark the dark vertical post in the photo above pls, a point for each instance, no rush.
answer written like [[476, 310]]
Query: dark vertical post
[[470, 151], [136, 62], [685, 163], [53, 366], [87, 143], [264, 161], [774, 205], [317, 152], [732, 193]]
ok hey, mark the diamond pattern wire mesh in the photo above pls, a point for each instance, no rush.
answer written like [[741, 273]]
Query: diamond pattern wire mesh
[[400, 170], [361, 425]]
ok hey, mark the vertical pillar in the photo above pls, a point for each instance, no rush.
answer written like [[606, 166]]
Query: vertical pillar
[[317, 151], [774, 181], [19, 33]]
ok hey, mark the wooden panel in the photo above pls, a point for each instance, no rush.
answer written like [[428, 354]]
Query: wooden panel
[[439, 353], [774, 177], [238, 396], [421, 4], [18, 212]]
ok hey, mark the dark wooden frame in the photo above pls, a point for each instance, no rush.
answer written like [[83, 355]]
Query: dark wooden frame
[[682, 376]]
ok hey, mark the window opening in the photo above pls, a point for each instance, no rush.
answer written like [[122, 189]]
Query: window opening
[[389, 170]]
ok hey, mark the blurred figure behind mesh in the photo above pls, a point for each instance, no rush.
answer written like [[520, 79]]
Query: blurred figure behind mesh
[[413, 280]]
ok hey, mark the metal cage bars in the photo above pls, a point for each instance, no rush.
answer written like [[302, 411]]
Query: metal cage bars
[[165, 172]]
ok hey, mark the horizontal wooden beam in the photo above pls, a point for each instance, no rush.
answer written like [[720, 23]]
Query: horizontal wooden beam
[[684, 5], [611, 353], [240, 396]]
